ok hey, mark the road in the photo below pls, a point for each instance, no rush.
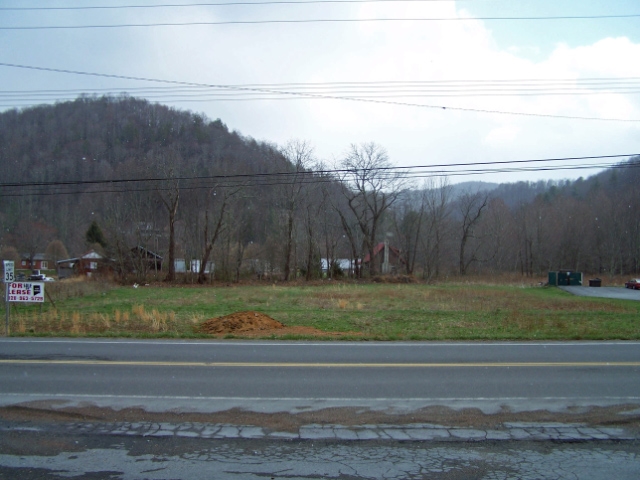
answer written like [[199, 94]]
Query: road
[[155, 409], [603, 292], [296, 376]]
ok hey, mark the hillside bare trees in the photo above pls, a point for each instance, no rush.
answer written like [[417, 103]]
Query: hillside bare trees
[[370, 188], [147, 174]]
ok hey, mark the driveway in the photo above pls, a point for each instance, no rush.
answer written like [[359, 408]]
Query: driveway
[[604, 292]]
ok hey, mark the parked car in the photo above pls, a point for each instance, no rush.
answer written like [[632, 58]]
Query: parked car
[[36, 276], [633, 283]]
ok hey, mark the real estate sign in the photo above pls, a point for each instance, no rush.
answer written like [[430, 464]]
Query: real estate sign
[[25, 292]]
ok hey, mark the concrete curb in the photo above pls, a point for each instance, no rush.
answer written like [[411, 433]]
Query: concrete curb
[[512, 431]]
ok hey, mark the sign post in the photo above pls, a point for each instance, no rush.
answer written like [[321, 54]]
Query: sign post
[[28, 292], [9, 276]]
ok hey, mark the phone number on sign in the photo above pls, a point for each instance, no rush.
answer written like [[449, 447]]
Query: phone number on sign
[[25, 298]]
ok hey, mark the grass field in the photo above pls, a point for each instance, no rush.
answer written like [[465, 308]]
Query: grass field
[[448, 311]]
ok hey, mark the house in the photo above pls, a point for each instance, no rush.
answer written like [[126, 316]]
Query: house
[[151, 260], [181, 266], [87, 264], [386, 257], [36, 262], [344, 264]]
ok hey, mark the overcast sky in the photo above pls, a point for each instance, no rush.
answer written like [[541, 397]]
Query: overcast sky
[[413, 126]]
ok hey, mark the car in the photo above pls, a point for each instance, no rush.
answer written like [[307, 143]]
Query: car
[[633, 283], [36, 276]]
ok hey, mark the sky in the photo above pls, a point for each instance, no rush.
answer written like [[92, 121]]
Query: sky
[[431, 92]]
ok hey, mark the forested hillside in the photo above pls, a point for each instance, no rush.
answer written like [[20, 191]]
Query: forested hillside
[[187, 188]]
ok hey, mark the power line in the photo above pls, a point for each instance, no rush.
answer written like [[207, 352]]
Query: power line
[[498, 83], [231, 97], [272, 183], [216, 4], [315, 172], [376, 90], [308, 177], [306, 94], [319, 20], [372, 89]]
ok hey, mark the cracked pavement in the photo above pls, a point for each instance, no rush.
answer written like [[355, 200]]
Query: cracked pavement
[[511, 431], [164, 451], [128, 456]]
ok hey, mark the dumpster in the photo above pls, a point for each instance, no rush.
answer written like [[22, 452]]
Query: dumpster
[[565, 277], [595, 282]]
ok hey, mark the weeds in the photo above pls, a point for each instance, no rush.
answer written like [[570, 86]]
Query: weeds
[[384, 311]]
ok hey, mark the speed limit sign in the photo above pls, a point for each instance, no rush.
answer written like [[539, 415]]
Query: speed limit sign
[[8, 271]]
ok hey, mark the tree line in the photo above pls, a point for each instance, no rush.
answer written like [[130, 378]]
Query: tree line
[[185, 187]]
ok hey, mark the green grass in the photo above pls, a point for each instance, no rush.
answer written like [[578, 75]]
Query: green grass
[[362, 311]]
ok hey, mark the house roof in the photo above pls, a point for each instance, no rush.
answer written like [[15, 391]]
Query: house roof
[[90, 255], [379, 248], [140, 248], [36, 256]]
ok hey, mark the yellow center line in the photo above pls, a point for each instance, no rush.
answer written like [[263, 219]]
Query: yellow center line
[[318, 365]]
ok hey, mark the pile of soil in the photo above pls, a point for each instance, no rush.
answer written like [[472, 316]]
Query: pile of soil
[[240, 322], [256, 324]]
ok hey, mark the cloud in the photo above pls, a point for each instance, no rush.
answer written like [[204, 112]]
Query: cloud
[[360, 52]]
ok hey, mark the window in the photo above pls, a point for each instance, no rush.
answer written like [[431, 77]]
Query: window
[[44, 265]]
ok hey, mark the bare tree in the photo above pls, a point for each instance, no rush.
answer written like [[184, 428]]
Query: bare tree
[[168, 163], [313, 205], [300, 155], [498, 251], [217, 223], [331, 230], [370, 187], [241, 230], [56, 251], [470, 207], [407, 222], [33, 237], [437, 198]]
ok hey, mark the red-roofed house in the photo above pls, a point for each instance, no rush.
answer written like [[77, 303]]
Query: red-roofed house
[[385, 261]]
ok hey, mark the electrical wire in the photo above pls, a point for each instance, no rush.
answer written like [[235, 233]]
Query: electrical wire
[[376, 90], [307, 95], [248, 184], [217, 4], [304, 178], [316, 172], [317, 20]]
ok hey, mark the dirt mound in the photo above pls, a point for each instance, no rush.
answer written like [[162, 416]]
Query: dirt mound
[[256, 325], [240, 322]]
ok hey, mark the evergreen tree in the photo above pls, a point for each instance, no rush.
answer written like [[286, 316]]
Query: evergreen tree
[[95, 235]]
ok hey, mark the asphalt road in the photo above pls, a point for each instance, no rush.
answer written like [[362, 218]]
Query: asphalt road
[[603, 292], [543, 404], [300, 376]]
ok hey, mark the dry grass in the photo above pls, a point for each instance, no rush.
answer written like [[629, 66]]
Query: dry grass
[[138, 320], [78, 287], [386, 311]]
